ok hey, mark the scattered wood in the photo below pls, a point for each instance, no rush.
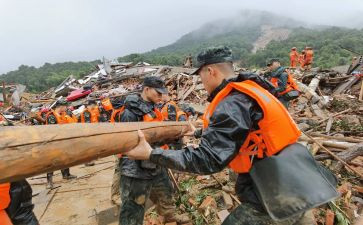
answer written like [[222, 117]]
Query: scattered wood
[[343, 87], [227, 200], [174, 180], [347, 139], [48, 203], [223, 214], [349, 155], [336, 157], [329, 124], [236, 199], [94, 172], [82, 189]]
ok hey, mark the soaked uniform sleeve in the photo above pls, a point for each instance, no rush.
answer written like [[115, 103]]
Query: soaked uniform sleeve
[[282, 82], [220, 142]]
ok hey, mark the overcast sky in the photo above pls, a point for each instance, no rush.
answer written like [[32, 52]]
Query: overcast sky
[[37, 31]]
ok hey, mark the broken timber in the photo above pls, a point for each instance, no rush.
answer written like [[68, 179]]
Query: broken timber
[[28, 151]]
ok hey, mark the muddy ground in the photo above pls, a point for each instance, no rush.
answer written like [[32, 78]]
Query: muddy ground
[[85, 200]]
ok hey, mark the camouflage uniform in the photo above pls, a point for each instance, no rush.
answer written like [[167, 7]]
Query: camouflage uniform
[[115, 188], [141, 179], [135, 192]]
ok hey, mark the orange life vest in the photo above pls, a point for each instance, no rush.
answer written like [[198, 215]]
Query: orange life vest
[[290, 85], [164, 110], [276, 129], [4, 203], [62, 118], [179, 112], [59, 118], [106, 104], [116, 114], [294, 55], [93, 115]]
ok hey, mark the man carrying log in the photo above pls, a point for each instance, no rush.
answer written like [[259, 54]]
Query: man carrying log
[[244, 124], [141, 179], [59, 116]]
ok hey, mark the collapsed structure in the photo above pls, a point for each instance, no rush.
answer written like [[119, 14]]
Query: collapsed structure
[[329, 112]]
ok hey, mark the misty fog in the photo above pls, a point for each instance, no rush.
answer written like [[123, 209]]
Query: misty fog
[[37, 31]]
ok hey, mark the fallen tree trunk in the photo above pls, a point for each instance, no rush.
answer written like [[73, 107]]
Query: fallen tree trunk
[[29, 151]]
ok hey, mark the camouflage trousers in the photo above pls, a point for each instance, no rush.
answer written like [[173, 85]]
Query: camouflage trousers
[[247, 214], [135, 192], [115, 187]]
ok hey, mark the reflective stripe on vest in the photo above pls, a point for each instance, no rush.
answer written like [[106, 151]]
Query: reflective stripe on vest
[[276, 129]]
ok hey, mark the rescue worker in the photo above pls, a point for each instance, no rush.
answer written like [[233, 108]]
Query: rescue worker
[[141, 179], [241, 111], [59, 116], [4, 203], [106, 109], [91, 114], [38, 118], [170, 110], [282, 80], [302, 60], [16, 207], [294, 55], [309, 58]]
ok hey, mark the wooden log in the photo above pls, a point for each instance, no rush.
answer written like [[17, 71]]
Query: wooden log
[[33, 150], [314, 83], [329, 143], [347, 139], [348, 156], [336, 157]]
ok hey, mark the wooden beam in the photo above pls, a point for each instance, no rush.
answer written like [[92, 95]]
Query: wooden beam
[[33, 150]]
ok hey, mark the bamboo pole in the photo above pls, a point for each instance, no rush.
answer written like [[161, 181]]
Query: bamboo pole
[[33, 150]]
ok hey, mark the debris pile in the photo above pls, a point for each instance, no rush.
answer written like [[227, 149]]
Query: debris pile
[[329, 112]]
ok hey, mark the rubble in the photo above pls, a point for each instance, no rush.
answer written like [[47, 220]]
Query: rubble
[[329, 110]]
